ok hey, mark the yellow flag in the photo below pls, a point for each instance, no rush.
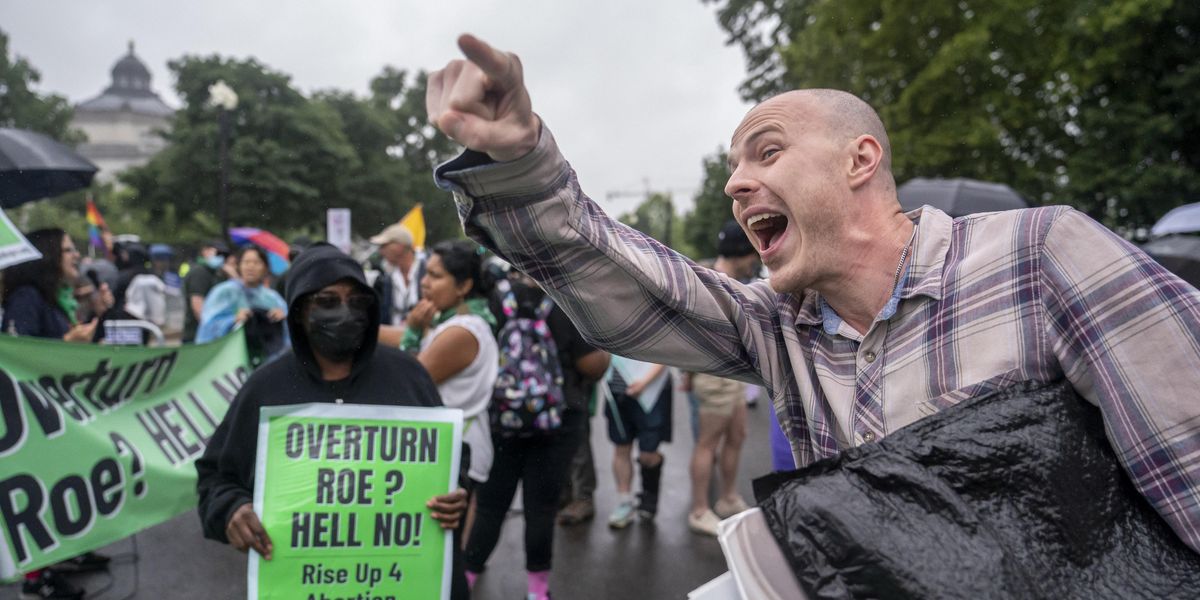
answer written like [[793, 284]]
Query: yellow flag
[[414, 221]]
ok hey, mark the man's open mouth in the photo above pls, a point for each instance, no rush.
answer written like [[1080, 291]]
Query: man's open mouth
[[767, 227]]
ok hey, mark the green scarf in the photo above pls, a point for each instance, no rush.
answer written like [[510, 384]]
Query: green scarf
[[475, 306], [67, 302]]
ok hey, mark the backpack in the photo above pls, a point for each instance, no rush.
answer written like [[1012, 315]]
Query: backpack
[[527, 399]]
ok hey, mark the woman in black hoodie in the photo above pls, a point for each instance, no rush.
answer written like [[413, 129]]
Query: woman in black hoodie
[[333, 360]]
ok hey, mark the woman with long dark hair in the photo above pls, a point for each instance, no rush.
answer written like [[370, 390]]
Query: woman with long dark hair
[[451, 330], [39, 299]]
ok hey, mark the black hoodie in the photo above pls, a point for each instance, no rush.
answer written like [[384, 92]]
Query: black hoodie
[[379, 376]]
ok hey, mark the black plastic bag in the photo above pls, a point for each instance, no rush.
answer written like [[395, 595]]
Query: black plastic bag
[[1012, 495]]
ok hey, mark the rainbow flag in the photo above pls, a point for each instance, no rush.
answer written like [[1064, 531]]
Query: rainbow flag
[[96, 225]]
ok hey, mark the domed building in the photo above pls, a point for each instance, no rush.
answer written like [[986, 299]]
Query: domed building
[[122, 122]]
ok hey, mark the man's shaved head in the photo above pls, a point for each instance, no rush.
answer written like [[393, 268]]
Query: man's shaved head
[[845, 117]]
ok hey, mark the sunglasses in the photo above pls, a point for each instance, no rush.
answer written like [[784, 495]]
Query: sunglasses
[[329, 300]]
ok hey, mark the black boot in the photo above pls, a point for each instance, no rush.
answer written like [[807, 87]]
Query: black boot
[[648, 499]]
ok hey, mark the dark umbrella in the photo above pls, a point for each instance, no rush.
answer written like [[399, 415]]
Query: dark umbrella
[[1180, 254], [34, 166], [958, 197]]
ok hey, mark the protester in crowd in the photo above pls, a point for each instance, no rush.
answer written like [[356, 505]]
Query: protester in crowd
[[720, 407], [93, 297], [39, 301], [538, 460], [403, 269], [579, 489], [873, 318], [247, 299], [333, 316], [638, 410], [201, 277], [39, 298], [450, 328], [140, 292]]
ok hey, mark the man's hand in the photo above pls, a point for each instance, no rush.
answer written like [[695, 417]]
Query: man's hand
[[448, 509], [245, 531], [482, 102]]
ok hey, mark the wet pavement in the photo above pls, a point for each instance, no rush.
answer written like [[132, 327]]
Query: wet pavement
[[659, 559]]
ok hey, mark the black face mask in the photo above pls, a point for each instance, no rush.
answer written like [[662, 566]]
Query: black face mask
[[336, 333]]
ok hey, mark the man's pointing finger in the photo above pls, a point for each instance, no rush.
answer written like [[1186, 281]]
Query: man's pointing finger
[[497, 65]]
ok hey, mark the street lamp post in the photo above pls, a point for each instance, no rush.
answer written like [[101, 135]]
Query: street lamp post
[[225, 100]]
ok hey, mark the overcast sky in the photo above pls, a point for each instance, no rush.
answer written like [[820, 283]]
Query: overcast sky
[[635, 91]]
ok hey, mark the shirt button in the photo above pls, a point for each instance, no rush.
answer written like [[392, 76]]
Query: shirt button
[[869, 437], [869, 356]]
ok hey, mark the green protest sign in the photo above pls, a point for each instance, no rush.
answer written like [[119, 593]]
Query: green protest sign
[[97, 442], [341, 491], [14, 248]]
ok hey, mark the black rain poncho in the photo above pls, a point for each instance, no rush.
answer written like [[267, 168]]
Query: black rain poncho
[[1011, 495]]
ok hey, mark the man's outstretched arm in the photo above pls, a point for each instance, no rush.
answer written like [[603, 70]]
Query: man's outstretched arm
[[625, 291]]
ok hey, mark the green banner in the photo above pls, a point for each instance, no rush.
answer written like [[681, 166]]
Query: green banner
[[14, 248], [97, 442], [346, 509]]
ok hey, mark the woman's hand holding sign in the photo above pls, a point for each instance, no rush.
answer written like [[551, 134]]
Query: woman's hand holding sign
[[482, 102], [245, 531], [448, 509]]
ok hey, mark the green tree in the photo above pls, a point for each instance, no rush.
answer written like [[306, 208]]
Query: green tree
[[655, 217], [289, 158], [712, 207], [1070, 102], [23, 107], [418, 147]]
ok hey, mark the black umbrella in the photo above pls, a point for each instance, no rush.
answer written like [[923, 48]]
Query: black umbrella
[[34, 166], [1180, 254], [958, 197]]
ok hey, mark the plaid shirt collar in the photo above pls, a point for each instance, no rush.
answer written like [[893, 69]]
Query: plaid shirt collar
[[922, 277]]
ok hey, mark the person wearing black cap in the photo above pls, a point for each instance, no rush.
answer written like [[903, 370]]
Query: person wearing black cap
[[735, 254], [333, 360], [201, 278]]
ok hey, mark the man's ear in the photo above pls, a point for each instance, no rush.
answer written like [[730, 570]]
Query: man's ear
[[866, 156]]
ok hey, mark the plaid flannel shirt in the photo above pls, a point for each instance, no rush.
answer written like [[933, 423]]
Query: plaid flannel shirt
[[988, 301]]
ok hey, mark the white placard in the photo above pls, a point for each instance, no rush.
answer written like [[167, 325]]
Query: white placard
[[337, 228]]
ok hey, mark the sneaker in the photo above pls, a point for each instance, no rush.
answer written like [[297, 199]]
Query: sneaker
[[577, 512], [728, 509], [533, 596], [705, 524], [647, 506], [84, 563], [50, 585], [621, 516]]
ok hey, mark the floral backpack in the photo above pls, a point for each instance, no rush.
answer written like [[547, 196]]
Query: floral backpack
[[527, 399]]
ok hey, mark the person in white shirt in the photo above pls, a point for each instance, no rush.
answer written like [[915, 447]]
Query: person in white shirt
[[403, 267], [450, 329]]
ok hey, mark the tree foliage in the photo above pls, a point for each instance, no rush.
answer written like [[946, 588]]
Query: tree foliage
[[712, 207], [655, 216], [1080, 102], [292, 156], [21, 106]]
